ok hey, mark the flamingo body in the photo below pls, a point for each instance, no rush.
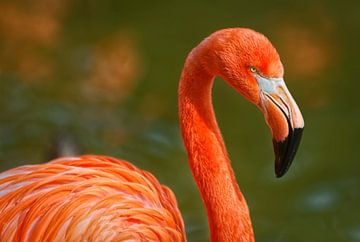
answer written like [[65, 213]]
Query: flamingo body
[[95, 198], [87, 198]]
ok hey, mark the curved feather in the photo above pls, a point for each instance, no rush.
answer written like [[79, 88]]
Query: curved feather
[[87, 198]]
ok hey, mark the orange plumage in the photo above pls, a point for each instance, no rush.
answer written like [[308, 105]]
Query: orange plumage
[[95, 198], [87, 198]]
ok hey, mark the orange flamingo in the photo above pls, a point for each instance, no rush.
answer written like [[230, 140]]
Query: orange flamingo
[[97, 198]]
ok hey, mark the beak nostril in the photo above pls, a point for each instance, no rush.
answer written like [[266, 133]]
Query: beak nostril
[[288, 111]]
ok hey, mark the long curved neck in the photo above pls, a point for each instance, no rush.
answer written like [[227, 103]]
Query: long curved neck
[[226, 207]]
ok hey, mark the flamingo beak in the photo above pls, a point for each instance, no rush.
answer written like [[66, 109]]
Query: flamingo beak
[[284, 119]]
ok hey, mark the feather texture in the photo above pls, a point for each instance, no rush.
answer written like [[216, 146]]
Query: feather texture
[[87, 198]]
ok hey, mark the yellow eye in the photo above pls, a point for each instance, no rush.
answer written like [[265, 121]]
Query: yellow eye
[[252, 69]]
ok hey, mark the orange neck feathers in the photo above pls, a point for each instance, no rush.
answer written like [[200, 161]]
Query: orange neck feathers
[[226, 207]]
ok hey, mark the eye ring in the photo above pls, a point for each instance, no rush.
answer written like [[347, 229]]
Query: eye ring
[[252, 69]]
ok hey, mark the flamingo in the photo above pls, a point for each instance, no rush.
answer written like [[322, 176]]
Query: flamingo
[[99, 198]]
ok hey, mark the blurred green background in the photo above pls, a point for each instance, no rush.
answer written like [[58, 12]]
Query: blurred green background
[[106, 74]]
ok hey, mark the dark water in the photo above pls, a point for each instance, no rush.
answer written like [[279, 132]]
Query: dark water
[[106, 74]]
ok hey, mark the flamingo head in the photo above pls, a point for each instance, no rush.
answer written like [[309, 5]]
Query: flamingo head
[[248, 62]]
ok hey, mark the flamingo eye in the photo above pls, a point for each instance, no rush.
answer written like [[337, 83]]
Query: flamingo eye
[[253, 69]]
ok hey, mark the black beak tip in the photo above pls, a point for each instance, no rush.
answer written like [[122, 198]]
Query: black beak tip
[[279, 173], [285, 151]]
